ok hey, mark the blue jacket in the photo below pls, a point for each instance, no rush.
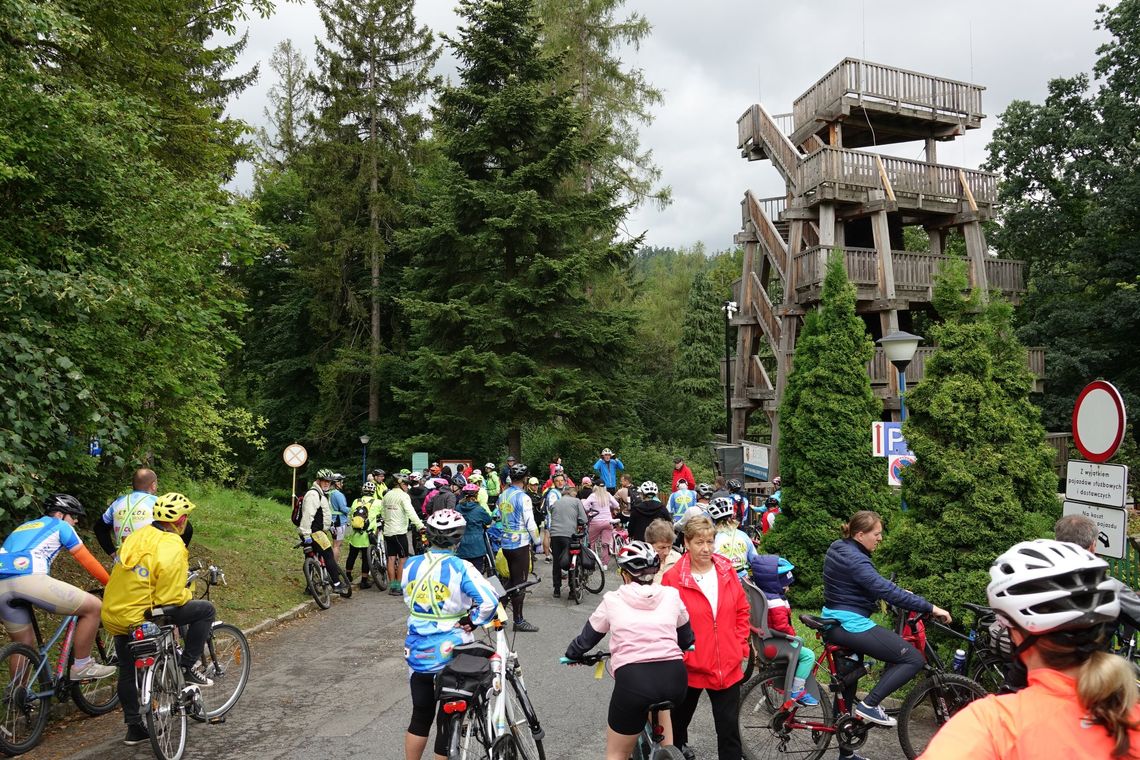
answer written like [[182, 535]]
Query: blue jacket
[[608, 471], [851, 582], [474, 543], [339, 507]]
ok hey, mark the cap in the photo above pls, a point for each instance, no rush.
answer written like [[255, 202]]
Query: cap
[[678, 459], [533, 481]]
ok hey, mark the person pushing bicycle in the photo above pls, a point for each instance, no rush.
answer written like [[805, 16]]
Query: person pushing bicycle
[[150, 571], [446, 598]]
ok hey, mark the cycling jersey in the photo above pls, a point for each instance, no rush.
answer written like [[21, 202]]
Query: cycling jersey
[[128, 513], [30, 548], [360, 537], [737, 548], [439, 589], [398, 513], [679, 501], [1043, 720], [517, 518], [339, 507]]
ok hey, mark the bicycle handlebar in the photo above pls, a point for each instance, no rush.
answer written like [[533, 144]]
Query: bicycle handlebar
[[591, 658], [507, 593]]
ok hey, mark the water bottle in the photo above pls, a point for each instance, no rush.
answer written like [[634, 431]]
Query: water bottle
[[958, 664]]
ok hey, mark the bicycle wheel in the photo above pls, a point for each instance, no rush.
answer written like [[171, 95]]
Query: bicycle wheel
[[763, 737], [594, 580], [929, 705], [378, 567], [523, 719], [27, 698], [200, 588], [226, 662], [317, 583], [98, 697], [989, 671], [574, 590], [165, 718], [753, 658], [667, 753]]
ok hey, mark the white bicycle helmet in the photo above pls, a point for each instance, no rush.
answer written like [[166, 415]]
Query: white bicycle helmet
[[1046, 585], [368, 487], [720, 508], [445, 528], [640, 560], [607, 451], [648, 488]]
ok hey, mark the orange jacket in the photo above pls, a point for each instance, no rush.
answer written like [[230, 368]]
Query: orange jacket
[[1043, 720]]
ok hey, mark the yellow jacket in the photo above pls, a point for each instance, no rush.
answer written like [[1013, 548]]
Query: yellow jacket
[[150, 571]]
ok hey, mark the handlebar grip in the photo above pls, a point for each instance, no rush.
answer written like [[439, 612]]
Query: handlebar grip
[[566, 661]]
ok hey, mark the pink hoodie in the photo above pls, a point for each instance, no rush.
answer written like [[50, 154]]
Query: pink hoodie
[[642, 622]]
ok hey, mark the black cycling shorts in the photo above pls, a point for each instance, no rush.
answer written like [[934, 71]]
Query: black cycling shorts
[[641, 684], [396, 546]]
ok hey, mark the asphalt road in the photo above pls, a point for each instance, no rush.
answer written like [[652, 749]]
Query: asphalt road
[[333, 684]]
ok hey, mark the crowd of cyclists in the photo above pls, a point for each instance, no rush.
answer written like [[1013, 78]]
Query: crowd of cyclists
[[678, 624]]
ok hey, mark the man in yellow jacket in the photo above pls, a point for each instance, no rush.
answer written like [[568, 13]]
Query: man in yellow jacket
[[150, 571]]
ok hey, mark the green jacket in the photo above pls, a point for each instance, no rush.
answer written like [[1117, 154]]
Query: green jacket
[[375, 506]]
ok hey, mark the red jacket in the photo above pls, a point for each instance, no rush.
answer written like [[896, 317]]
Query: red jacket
[[714, 662], [685, 473]]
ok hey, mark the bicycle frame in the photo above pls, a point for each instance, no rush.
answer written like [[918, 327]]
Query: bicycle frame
[[66, 629]]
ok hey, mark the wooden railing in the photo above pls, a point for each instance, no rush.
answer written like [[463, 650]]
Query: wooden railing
[[766, 229], [891, 85], [913, 270], [1058, 441], [773, 207], [859, 169], [762, 307], [1008, 276], [756, 129], [786, 122], [811, 265], [882, 372]]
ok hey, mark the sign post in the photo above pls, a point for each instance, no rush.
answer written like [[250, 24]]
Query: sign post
[[295, 456], [1094, 489]]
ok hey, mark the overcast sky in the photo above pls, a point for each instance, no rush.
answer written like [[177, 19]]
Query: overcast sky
[[714, 58]]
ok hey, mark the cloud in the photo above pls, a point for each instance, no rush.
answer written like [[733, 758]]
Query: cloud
[[714, 58]]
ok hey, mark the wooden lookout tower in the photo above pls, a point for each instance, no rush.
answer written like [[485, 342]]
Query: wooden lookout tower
[[839, 196]]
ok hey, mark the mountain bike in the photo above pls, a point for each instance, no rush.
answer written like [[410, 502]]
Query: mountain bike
[[483, 693], [648, 745], [30, 681], [378, 559], [580, 575], [317, 580], [773, 724]]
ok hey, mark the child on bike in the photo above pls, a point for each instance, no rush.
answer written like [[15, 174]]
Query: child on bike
[[440, 589], [649, 630], [773, 577]]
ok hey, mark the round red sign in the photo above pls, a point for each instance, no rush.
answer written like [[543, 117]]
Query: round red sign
[[1098, 421]]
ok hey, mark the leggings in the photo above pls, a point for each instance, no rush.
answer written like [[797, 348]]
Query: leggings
[[362, 552], [904, 661], [805, 662], [424, 707], [518, 565]]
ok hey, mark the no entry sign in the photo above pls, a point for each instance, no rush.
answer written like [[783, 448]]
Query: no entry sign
[[1098, 421]]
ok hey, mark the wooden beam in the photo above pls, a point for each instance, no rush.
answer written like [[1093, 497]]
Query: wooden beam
[[966, 188], [887, 181]]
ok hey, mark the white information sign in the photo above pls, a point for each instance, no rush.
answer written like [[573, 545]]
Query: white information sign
[[1111, 523], [295, 455], [755, 460], [1104, 484]]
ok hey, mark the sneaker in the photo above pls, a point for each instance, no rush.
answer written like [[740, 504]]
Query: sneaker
[[525, 627], [688, 752], [365, 583], [193, 678], [863, 711], [91, 671], [557, 593], [395, 591], [136, 734], [549, 558], [805, 699]]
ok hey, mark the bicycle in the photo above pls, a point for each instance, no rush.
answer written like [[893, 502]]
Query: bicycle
[[983, 664], [317, 581], [483, 692], [378, 560], [579, 575], [619, 538], [648, 745], [226, 658], [30, 682], [201, 579], [780, 726]]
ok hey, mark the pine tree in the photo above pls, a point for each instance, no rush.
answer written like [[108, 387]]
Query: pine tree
[[983, 479], [509, 245], [702, 335], [590, 38], [373, 77], [826, 465], [290, 106]]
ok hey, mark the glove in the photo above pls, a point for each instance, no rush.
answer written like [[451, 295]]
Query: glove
[[307, 541]]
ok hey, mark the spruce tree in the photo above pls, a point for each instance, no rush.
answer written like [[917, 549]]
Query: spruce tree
[[983, 479], [826, 465], [697, 372], [510, 245], [291, 107]]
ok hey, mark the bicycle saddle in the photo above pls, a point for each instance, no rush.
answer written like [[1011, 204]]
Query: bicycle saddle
[[661, 706], [817, 623], [979, 609]]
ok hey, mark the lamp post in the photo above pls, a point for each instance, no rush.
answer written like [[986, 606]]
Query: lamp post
[[899, 348], [729, 308], [364, 458]]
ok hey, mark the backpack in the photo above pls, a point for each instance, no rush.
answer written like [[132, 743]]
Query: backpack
[[297, 502], [359, 518]]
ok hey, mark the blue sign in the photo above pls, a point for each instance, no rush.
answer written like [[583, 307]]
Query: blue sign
[[94, 448], [887, 440]]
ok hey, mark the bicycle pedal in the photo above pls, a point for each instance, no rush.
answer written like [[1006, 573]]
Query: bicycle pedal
[[216, 720]]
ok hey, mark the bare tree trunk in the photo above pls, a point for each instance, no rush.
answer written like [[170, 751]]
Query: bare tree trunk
[[514, 442], [374, 219]]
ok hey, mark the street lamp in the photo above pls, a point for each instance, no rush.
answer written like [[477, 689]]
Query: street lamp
[[729, 308], [364, 459], [899, 348]]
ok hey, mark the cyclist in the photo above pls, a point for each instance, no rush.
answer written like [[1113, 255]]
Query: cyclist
[[681, 499], [649, 629], [623, 494], [446, 497], [646, 511], [340, 513], [130, 512], [777, 490], [549, 496], [604, 506], [852, 589], [473, 547], [150, 572], [520, 534], [316, 521], [699, 507], [493, 487], [1060, 608], [446, 598], [681, 472], [25, 567], [538, 508], [738, 498], [732, 543], [659, 534], [555, 471], [566, 516], [606, 467], [378, 477], [398, 513], [481, 490], [362, 524]]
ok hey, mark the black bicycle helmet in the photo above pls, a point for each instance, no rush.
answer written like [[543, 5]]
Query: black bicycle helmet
[[445, 528], [519, 472], [64, 503], [640, 560], [734, 485]]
